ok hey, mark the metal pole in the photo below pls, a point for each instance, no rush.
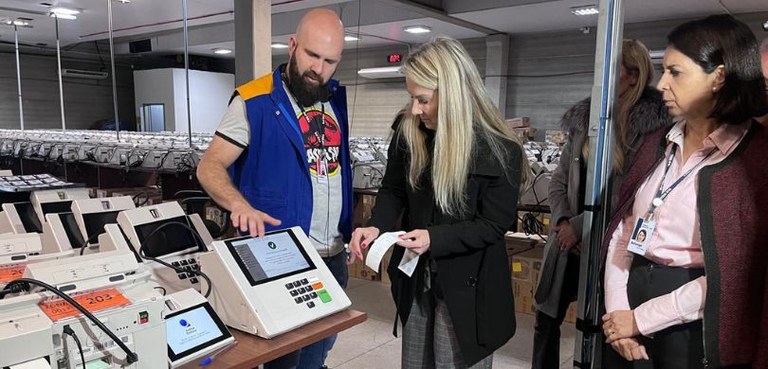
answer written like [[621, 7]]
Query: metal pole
[[186, 69], [61, 82], [589, 338], [114, 77], [18, 77]]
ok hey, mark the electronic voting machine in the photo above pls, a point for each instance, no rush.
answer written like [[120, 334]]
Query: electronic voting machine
[[270, 285]]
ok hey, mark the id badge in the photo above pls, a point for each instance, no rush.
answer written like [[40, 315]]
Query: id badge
[[322, 171], [641, 236]]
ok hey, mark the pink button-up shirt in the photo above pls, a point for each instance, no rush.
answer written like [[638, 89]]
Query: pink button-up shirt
[[676, 240]]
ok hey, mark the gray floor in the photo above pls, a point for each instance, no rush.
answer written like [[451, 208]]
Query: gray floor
[[371, 344]]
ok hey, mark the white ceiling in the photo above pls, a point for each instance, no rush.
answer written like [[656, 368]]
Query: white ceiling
[[381, 21]]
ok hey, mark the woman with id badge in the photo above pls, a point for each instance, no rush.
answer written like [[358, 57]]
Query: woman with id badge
[[685, 277]]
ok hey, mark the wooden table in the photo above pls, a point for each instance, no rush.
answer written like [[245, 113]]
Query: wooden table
[[250, 351]]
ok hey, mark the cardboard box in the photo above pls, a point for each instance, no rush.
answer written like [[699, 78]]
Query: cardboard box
[[556, 136], [518, 242], [526, 267], [359, 270], [525, 133], [519, 122]]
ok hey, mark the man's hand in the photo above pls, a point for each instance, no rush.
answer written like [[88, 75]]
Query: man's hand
[[361, 239], [619, 324], [416, 240], [630, 349], [566, 235], [248, 219]]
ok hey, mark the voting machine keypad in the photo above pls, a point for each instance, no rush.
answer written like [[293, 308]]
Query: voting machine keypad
[[189, 265], [308, 291]]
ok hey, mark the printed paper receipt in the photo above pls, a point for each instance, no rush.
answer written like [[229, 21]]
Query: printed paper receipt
[[380, 247]]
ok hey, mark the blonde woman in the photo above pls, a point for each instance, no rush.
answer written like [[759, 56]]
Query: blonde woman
[[455, 170], [640, 111]]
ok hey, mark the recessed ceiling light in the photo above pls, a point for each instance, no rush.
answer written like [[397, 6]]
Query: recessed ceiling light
[[20, 23], [279, 45], [417, 29], [222, 51], [585, 10], [63, 16], [351, 38]]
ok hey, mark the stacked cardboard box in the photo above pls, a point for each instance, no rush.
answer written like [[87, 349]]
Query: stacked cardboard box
[[526, 133], [556, 136], [526, 269], [519, 122], [358, 269]]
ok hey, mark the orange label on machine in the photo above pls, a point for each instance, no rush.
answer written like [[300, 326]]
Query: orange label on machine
[[8, 274], [58, 309]]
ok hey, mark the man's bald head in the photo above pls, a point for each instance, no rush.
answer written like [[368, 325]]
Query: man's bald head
[[320, 32], [314, 53], [321, 21]]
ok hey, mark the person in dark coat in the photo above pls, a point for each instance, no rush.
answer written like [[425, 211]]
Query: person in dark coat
[[455, 170], [641, 110], [695, 294]]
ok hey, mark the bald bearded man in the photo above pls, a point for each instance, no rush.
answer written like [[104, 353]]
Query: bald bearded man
[[280, 157]]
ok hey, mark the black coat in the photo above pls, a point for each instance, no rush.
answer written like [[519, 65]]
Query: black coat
[[469, 251]]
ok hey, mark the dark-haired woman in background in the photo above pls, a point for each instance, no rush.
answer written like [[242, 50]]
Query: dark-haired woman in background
[[641, 111], [697, 284]]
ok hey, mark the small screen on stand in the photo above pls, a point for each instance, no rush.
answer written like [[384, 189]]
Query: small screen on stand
[[170, 239], [56, 207], [95, 222], [28, 217], [73, 231]]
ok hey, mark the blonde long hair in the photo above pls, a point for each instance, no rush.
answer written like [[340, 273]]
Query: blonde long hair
[[637, 61], [464, 108]]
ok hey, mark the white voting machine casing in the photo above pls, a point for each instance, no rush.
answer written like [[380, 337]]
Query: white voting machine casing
[[174, 244], [56, 201], [20, 217], [93, 214], [270, 285]]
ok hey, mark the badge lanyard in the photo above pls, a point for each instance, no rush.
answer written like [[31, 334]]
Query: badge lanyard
[[644, 226], [322, 168], [662, 194]]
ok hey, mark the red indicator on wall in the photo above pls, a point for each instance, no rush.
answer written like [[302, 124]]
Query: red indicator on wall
[[395, 58]]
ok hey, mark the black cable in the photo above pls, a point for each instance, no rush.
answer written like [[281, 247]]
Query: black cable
[[131, 357], [68, 330], [178, 269], [142, 194], [89, 240], [164, 291]]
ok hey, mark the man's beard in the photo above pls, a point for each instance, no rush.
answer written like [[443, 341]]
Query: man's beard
[[306, 94]]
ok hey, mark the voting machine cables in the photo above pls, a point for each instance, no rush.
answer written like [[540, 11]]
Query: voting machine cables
[[23, 284]]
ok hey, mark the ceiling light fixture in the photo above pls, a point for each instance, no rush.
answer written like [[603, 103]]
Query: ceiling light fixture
[[62, 10], [351, 38], [417, 29], [20, 23], [63, 16], [125, 1], [222, 51], [279, 45], [585, 10]]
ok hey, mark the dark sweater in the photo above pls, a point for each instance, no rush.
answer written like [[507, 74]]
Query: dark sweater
[[733, 211]]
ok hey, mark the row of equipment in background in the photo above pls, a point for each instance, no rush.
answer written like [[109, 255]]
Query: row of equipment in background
[[155, 290], [154, 150], [369, 161]]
